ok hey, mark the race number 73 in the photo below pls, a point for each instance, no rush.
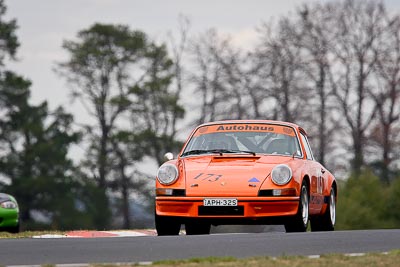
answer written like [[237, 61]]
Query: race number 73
[[210, 177]]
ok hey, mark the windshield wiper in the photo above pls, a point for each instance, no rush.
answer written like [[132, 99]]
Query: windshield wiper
[[218, 151], [198, 152], [241, 151]]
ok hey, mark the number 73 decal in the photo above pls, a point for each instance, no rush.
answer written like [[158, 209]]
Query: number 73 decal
[[210, 177]]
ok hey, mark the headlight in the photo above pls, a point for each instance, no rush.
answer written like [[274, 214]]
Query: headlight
[[167, 174], [281, 174], [9, 205]]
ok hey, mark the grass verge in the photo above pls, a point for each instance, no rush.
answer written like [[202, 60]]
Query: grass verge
[[27, 234], [371, 259]]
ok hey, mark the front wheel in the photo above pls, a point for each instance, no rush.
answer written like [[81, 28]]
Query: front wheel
[[166, 225], [326, 222], [299, 222]]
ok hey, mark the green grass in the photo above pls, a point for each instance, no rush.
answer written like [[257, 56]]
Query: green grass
[[27, 234], [371, 259], [209, 260]]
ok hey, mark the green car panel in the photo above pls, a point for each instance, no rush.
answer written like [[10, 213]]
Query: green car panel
[[9, 213]]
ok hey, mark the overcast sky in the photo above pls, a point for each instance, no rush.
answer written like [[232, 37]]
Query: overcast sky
[[44, 24]]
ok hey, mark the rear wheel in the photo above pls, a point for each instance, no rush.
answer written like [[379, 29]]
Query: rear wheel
[[197, 228], [166, 225], [326, 222], [299, 222]]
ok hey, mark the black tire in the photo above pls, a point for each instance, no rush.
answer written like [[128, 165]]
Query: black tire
[[197, 228], [299, 223], [166, 225], [326, 222]]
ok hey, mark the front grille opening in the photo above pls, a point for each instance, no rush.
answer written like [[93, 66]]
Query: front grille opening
[[221, 211]]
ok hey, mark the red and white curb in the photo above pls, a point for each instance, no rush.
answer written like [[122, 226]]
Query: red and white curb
[[97, 234]]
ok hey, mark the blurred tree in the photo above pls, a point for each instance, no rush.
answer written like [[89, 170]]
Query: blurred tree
[[222, 80], [386, 95], [278, 60], [34, 160], [8, 38], [357, 33], [125, 82], [207, 77], [154, 113], [127, 150], [293, 63], [156, 108], [34, 142], [313, 34], [179, 49], [101, 67]]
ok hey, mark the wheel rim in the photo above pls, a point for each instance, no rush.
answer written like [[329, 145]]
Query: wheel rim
[[332, 207], [304, 201]]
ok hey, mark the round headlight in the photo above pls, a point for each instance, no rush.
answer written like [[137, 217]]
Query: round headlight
[[281, 174], [9, 205], [167, 174]]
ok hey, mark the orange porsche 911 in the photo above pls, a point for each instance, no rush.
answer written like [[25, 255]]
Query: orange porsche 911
[[245, 172]]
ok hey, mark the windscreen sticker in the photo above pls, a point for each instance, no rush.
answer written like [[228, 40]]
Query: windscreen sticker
[[280, 129]]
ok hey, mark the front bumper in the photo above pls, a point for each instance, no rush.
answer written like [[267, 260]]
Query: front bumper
[[8, 217], [252, 208]]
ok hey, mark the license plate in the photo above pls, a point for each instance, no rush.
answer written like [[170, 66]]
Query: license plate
[[220, 202]]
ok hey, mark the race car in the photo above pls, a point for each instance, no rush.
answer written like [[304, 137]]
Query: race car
[[9, 214], [244, 172]]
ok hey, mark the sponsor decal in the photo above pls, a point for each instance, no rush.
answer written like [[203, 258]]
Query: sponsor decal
[[319, 200], [246, 127], [287, 130], [254, 180], [203, 129]]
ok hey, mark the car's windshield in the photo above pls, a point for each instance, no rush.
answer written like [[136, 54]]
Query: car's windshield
[[244, 138]]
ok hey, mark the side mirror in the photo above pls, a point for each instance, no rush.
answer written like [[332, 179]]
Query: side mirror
[[169, 156]]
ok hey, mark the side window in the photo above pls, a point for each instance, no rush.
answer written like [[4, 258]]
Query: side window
[[306, 146]]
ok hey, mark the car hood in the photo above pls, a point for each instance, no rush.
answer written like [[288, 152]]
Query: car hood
[[5, 197], [227, 176]]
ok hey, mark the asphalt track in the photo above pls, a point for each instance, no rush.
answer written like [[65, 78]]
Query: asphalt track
[[152, 248]]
